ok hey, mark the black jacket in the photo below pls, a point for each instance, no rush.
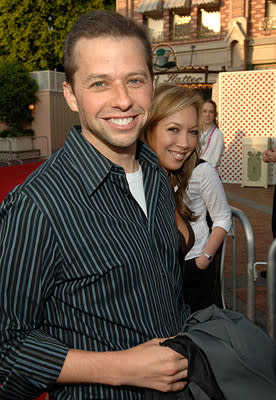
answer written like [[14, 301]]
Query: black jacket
[[230, 358]]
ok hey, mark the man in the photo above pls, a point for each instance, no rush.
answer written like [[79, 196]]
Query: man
[[89, 272], [270, 156]]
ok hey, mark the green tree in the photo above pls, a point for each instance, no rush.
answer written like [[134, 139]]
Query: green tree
[[33, 31], [17, 93]]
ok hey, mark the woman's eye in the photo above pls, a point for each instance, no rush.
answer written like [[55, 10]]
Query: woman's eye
[[174, 130], [194, 132]]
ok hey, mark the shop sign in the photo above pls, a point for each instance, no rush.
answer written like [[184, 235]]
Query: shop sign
[[180, 78]]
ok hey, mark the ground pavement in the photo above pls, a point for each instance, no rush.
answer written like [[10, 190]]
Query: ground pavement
[[256, 203]]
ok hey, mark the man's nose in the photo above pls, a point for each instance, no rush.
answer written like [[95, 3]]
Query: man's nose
[[121, 97]]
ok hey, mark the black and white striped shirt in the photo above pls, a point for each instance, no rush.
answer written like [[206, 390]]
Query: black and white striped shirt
[[83, 267]]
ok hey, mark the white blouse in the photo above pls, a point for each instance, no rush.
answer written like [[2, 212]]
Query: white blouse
[[216, 147], [205, 192]]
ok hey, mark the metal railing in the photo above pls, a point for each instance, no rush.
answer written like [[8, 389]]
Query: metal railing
[[251, 273], [271, 288]]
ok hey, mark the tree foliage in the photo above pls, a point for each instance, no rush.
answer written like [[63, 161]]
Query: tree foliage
[[33, 31], [17, 93]]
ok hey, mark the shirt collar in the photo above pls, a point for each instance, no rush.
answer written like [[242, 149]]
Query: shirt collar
[[93, 167]]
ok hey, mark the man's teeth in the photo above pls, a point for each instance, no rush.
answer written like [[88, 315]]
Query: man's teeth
[[120, 121]]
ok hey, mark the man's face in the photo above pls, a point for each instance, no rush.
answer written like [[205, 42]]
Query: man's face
[[112, 92]]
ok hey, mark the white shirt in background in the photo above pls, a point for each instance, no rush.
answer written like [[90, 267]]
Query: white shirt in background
[[216, 147], [205, 191]]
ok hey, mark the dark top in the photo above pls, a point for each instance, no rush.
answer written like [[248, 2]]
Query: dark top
[[82, 267], [184, 247]]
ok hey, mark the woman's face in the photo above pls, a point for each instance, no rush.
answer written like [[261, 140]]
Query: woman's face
[[175, 137], [208, 114]]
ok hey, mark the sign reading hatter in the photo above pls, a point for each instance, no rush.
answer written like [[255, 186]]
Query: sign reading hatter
[[180, 78], [167, 70]]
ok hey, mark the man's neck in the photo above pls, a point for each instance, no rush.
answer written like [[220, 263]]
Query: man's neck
[[123, 156], [130, 165]]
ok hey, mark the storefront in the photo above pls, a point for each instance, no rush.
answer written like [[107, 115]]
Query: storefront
[[168, 70]]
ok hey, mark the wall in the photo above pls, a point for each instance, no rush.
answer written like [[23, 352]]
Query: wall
[[247, 109], [244, 42], [53, 119]]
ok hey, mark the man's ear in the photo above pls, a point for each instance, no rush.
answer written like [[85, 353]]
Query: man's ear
[[69, 96]]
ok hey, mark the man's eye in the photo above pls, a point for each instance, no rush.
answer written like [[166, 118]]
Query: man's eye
[[98, 84], [135, 81]]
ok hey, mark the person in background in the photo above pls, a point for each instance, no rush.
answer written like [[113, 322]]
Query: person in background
[[270, 156], [173, 132], [212, 140], [90, 282]]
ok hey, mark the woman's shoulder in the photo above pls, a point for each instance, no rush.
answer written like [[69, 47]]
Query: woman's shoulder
[[204, 169], [218, 132], [203, 165]]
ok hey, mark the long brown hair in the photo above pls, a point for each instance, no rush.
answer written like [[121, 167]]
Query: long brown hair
[[167, 100]]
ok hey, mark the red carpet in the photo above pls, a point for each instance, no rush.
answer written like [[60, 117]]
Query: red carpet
[[14, 175]]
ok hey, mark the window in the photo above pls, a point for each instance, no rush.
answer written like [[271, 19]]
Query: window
[[181, 25], [209, 23], [270, 21], [155, 28]]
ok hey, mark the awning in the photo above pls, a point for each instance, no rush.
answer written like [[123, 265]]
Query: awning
[[148, 6], [205, 2], [170, 4]]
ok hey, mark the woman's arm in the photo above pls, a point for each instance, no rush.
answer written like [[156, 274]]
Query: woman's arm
[[215, 240], [213, 195]]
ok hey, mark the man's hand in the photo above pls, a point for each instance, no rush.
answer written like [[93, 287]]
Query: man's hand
[[147, 365], [153, 366], [269, 155]]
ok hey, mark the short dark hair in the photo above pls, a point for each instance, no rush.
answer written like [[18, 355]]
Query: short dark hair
[[102, 23]]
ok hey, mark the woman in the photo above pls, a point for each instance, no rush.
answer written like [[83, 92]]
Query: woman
[[212, 139], [173, 133], [175, 147]]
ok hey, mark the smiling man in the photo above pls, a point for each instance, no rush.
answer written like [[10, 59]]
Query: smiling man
[[93, 283]]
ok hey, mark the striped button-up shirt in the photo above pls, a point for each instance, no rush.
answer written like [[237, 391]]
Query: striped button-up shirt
[[83, 267]]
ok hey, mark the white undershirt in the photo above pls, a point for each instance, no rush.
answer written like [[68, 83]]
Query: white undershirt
[[135, 182]]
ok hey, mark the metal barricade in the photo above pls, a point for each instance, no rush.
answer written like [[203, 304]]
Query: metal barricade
[[251, 274], [271, 281]]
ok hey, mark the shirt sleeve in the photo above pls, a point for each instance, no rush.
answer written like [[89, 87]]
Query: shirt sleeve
[[212, 192], [31, 360]]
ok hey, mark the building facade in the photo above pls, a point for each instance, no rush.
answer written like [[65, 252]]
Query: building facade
[[199, 38], [227, 50]]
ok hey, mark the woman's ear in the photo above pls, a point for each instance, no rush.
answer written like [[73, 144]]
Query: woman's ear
[[70, 96]]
